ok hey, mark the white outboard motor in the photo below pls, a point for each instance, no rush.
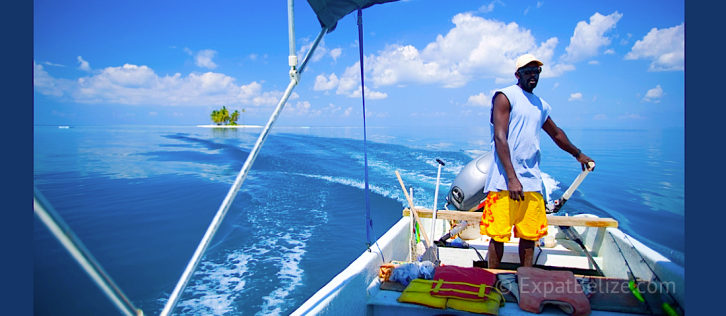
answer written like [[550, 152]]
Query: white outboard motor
[[466, 190]]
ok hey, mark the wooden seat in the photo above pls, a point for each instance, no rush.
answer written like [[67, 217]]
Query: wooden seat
[[553, 220]]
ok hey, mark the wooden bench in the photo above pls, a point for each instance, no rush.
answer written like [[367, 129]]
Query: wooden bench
[[473, 218]]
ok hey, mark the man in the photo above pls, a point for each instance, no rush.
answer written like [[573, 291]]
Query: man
[[514, 181]]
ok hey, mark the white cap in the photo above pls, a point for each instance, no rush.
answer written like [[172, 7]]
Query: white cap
[[526, 59]]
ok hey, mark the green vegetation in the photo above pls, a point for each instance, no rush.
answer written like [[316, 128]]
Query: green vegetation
[[222, 117]]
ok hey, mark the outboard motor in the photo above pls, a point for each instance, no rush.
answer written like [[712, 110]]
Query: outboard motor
[[466, 190]]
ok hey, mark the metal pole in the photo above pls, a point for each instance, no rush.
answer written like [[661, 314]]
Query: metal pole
[[73, 244], [196, 258]]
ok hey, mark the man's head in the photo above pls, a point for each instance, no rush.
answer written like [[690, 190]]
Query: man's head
[[527, 73]]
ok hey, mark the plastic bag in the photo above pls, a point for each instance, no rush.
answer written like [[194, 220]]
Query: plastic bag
[[426, 270], [416, 270], [404, 274]]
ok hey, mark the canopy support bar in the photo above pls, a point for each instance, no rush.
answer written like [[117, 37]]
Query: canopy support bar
[[194, 262], [70, 241]]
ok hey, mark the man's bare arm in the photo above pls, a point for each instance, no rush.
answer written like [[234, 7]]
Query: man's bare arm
[[500, 119], [560, 138]]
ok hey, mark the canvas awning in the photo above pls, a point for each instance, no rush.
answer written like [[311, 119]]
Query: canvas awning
[[329, 12]]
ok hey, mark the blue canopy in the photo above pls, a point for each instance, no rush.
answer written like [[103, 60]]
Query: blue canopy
[[329, 12]]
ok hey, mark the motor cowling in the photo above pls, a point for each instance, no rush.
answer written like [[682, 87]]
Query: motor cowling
[[467, 189]]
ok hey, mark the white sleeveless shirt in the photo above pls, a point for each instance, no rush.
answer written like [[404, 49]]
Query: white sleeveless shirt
[[528, 114]]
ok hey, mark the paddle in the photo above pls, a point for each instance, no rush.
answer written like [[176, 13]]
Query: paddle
[[436, 197], [427, 242], [431, 253]]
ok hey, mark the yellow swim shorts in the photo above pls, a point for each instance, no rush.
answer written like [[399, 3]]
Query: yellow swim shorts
[[501, 213]]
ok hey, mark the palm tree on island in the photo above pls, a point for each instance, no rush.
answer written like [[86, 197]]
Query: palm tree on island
[[222, 116], [233, 118]]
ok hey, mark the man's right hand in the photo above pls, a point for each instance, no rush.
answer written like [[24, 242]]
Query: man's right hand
[[515, 190]]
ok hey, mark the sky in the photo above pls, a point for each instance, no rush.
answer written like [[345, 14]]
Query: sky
[[607, 64]]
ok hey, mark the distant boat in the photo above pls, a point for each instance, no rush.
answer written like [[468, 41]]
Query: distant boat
[[64, 127]]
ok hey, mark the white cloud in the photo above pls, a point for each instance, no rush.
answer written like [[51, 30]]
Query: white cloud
[[557, 84], [629, 116], [481, 99], [609, 52], [188, 51], [575, 97], [204, 59], [600, 117], [474, 48], [653, 94], [153, 114], [323, 84], [253, 56], [52, 64], [335, 53], [589, 38], [489, 7], [46, 84], [301, 108], [370, 94], [134, 85], [666, 47], [593, 62], [84, 65], [347, 111]]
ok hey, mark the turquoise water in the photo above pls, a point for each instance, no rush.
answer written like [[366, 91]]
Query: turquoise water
[[141, 197]]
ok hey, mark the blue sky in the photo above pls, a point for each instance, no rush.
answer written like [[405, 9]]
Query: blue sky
[[608, 64]]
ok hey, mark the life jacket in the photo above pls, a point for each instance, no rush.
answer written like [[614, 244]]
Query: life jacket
[[465, 289], [538, 287]]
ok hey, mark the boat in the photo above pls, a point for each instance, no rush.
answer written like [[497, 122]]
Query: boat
[[592, 248], [617, 259]]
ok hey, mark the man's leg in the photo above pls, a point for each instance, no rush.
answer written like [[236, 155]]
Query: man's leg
[[526, 252], [495, 253]]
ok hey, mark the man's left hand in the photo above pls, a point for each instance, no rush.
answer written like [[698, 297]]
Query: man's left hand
[[584, 160]]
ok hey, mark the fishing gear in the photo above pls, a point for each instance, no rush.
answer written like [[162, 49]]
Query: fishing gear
[[631, 278], [669, 300], [436, 197]]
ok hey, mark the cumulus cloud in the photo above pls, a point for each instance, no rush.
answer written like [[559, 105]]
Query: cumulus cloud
[[46, 84], [84, 64], [654, 94], [575, 97], [593, 62], [370, 94], [133, 85], [204, 59], [481, 99], [590, 37], [323, 83], [348, 111], [474, 48], [666, 47], [609, 52], [301, 108]]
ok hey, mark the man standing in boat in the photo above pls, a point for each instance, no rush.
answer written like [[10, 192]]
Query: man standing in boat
[[514, 181]]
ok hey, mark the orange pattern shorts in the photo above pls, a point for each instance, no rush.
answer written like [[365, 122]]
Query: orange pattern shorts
[[528, 217]]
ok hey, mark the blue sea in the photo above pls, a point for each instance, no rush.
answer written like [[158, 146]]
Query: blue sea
[[141, 198]]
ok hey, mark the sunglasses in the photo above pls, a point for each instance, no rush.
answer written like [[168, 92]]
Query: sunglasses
[[530, 70]]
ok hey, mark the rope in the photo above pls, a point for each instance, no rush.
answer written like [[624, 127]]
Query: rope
[[370, 236]]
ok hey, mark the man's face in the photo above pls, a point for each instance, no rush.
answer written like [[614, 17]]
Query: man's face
[[528, 76]]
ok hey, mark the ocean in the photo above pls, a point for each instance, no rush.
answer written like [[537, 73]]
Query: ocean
[[141, 197]]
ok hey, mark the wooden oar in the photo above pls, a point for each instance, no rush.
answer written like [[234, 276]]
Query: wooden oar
[[413, 211]]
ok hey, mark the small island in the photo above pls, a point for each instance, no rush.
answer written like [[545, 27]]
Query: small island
[[223, 119]]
